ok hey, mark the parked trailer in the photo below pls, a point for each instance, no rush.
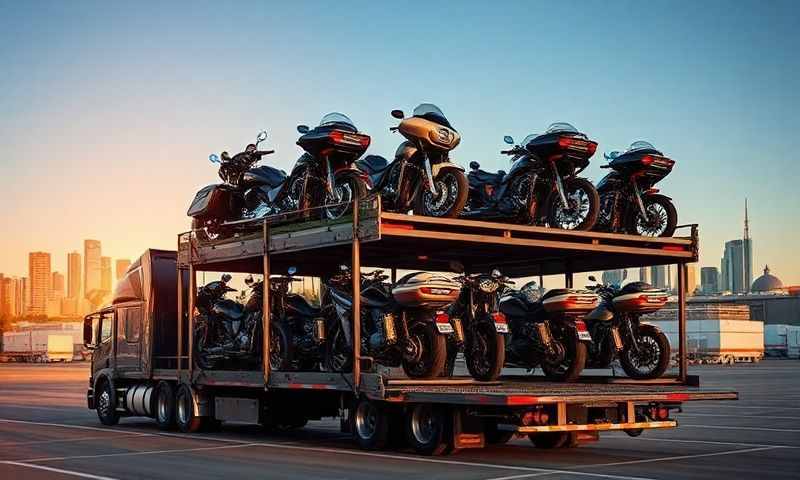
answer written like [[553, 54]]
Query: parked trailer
[[433, 416], [782, 341], [719, 341], [37, 346]]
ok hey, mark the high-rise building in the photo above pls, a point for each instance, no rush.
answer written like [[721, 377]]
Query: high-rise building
[[709, 280], [658, 276], [74, 279], [57, 290], [2, 294], [40, 281], [26, 295], [691, 279], [733, 267], [644, 275], [105, 274], [122, 267], [614, 277], [11, 291], [92, 272]]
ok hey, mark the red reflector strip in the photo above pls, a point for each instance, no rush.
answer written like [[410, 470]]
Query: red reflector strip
[[396, 226], [672, 248], [521, 400], [580, 325], [678, 397], [311, 386], [499, 317]]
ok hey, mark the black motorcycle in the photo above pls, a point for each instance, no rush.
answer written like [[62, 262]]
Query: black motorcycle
[[484, 326], [548, 330], [643, 350], [218, 209], [542, 187], [421, 177], [628, 201], [225, 331], [298, 327], [396, 329], [324, 176]]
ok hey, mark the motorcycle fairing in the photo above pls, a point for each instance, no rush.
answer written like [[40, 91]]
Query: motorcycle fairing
[[298, 304], [602, 313], [228, 309], [264, 176], [205, 199]]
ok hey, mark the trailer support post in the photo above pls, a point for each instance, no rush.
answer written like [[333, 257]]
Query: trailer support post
[[179, 350], [190, 316], [356, 311], [266, 312], [683, 364]]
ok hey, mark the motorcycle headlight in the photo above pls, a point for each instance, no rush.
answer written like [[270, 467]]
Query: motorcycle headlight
[[442, 136], [488, 285]]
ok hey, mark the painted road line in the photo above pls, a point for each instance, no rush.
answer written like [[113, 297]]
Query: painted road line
[[724, 427], [67, 425], [702, 442], [79, 439], [762, 417], [58, 470], [133, 454], [677, 457]]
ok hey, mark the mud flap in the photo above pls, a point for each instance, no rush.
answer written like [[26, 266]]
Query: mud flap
[[466, 432]]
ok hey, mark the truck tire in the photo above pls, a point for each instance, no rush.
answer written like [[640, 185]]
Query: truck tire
[[549, 440], [426, 429], [370, 425], [187, 421], [164, 407], [494, 436], [106, 403]]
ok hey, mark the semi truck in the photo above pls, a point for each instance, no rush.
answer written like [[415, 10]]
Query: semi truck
[[142, 344]]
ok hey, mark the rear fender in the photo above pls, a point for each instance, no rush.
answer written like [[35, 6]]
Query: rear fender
[[352, 172]]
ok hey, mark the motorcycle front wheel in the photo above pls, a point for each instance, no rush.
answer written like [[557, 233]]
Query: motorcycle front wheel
[[485, 352], [201, 359], [651, 358], [280, 348], [338, 355], [571, 366], [452, 190], [425, 355], [339, 202], [583, 208], [662, 218]]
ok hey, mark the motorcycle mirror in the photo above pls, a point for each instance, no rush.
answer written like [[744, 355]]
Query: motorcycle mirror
[[509, 139], [262, 135], [226, 277], [291, 271], [213, 158], [612, 155], [250, 148], [303, 129], [343, 267], [473, 165], [496, 273], [457, 266], [249, 280], [592, 278], [398, 114]]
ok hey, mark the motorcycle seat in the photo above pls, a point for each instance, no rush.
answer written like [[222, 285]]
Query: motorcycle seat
[[372, 164], [228, 309], [301, 306], [480, 177], [264, 175]]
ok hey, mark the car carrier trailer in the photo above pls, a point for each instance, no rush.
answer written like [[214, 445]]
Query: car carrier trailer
[[432, 416]]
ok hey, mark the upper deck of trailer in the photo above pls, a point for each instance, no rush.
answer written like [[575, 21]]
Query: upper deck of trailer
[[426, 243]]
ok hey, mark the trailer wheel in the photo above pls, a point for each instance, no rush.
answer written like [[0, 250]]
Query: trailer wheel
[[370, 425], [106, 404], [494, 436], [426, 429], [187, 421], [549, 440], [165, 406]]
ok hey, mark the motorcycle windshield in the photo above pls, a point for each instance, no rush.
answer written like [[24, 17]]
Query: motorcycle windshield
[[641, 145], [431, 112], [339, 120], [564, 127]]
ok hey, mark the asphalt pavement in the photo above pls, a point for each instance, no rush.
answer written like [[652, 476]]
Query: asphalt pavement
[[47, 432]]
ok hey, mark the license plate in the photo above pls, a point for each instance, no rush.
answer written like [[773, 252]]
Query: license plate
[[444, 328], [584, 336], [501, 327]]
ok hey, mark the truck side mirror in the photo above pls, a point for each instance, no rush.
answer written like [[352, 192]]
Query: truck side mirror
[[88, 333]]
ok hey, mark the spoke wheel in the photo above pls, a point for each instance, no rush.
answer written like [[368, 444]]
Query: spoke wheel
[[485, 352], [651, 358], [574, 358], [582, 209], [661, 220], [341, 199], [426, 351], [452, 189]]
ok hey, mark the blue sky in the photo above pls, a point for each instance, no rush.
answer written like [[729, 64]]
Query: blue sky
[[110, 112]]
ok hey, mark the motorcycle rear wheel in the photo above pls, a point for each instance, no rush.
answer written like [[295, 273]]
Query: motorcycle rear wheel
[[344, 192], [280, 348], [650, 338], [485, 352], [430, 351], [574, 360], [338, 355], [452, 190]]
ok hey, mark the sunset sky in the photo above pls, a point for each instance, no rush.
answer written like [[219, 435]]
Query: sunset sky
[[109, 113]]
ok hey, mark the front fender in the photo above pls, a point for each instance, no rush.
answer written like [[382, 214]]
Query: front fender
[[442, 165]]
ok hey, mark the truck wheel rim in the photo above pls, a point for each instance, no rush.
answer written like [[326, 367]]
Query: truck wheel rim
[[182, 410], [162, 406], [366, 420], [423, 424], [104, 403]]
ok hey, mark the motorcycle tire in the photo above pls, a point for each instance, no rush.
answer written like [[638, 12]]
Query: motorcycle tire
[[657, 339], [432, 351], [449, 179], [574, 360], [200, 358], [572, 185], [338, 355], [485, 352], [281, 351], [668, 215], [352, 187]]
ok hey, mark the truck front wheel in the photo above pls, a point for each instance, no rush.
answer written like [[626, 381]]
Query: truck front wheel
[[187, 421], [106, 404]]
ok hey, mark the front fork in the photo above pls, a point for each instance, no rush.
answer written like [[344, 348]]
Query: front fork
[[429, 175], [329, 170], [562, 194], [639, 203]]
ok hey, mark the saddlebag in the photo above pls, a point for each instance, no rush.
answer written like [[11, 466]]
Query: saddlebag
[[422, 289]]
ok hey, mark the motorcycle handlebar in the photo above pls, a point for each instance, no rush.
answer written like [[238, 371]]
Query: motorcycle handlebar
[[605, 166]]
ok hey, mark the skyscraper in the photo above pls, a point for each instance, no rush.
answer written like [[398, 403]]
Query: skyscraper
[[709, 280], [122, 267], [733, 267], [74, 275], [614, 277], [57, 290], [92, 276], [658, 276], [40, 281], [644, 275], [691, 279], [105, 274]]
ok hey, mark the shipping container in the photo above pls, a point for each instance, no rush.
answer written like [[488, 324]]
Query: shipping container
[[718, 340], [782, 341]]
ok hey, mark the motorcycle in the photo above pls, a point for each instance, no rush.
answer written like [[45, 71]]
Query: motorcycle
[[421, 177], [401, 325], [324, 176], [225, 330], [484, 326], [643, 350], [548, 330], [219, 208], [300, 339], [628, 201], [542, 186]]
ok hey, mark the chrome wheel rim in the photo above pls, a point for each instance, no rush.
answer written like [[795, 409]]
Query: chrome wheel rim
[[162, 406], [183, 409], [423, 424], [104, 403], [340, 199], [656, 222], [366, 420], [573, 215], [446, 194], [645, 358]]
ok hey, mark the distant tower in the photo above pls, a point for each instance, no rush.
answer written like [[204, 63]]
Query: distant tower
[[747, 246]]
